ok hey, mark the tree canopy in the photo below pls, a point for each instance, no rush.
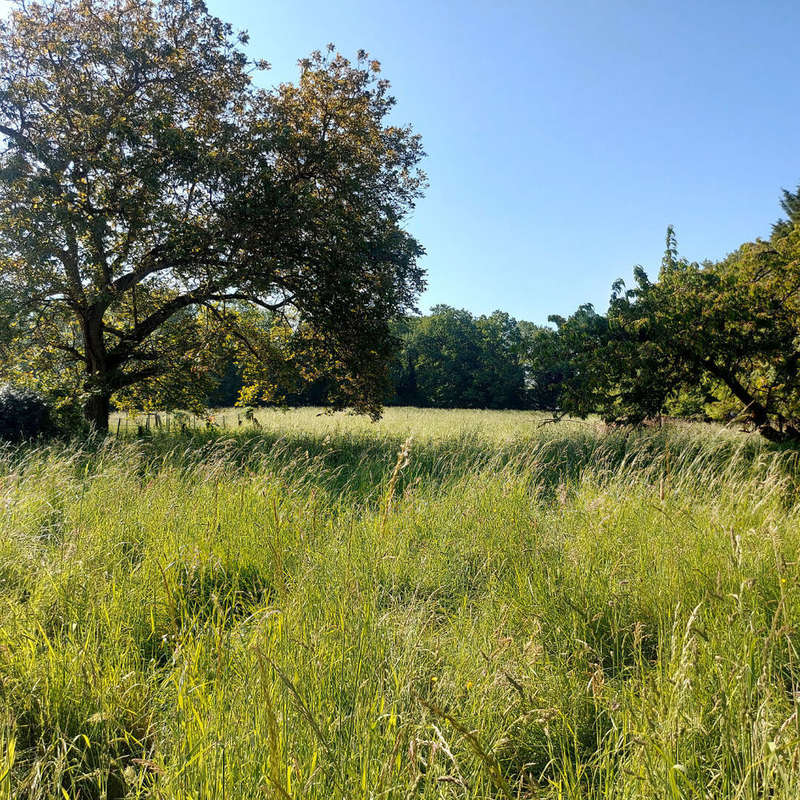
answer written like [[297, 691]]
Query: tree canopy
[[726, 332], [452, 359], [160, 213]]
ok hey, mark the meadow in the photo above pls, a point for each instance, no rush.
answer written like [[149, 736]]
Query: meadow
[[445, 604]]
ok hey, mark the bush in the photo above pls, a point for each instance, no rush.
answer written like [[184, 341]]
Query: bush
[[66, 417], [24, 414]]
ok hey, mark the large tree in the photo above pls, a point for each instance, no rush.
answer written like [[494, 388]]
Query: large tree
[[723, 331], [453, 359], [151, 195]]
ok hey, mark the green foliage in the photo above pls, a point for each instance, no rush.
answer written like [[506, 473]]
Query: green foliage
[[537, 612], [227, 388], [578, 364], [790, 203], [545, 372], [726, 333], [452, 359], [151, 197]]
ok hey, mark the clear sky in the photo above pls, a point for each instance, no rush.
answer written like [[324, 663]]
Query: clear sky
[[564, 136]]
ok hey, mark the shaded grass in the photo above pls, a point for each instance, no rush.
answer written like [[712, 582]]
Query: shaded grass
[[518, 612]]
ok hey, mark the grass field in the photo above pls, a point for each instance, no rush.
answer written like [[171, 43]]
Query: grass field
[[502, 611]]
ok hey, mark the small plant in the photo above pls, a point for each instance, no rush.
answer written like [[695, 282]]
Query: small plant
[[250, 416], [403, 460], [24, 414], [7, 755], [66, 417]]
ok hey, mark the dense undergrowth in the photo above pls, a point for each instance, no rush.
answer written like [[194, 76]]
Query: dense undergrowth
[[505, 611]]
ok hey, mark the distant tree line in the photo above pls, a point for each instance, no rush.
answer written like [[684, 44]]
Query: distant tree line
[[716, 340], [449, 358]]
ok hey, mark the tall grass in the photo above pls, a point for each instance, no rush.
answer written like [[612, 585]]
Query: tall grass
[[502, 611]]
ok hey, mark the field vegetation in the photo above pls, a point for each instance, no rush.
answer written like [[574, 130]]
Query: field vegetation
[[254, 602], [445, 604]]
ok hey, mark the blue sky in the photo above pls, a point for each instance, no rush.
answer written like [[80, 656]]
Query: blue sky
[[563, 137]]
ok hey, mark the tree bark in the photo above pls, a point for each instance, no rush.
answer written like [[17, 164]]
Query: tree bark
[[96, 411], [98, 405], [757, 411]]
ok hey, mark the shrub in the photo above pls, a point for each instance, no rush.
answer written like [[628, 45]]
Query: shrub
[[67, 418], [24, 414]]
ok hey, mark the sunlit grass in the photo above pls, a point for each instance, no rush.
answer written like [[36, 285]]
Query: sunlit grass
[[291, 611]]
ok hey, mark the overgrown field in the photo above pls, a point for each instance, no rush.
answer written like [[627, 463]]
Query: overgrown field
[[504, 611]]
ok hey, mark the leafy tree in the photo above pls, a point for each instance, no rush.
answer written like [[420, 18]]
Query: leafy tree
[[447, 353], [500, 378], [729, 330], [735, 322], [150, 194], [545, 363], [403, 369], [790, 203], [452, 359], [574, 364]]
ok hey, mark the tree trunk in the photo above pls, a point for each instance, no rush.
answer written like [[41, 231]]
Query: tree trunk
[[96, 411], [98, 405], [756, 411]]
